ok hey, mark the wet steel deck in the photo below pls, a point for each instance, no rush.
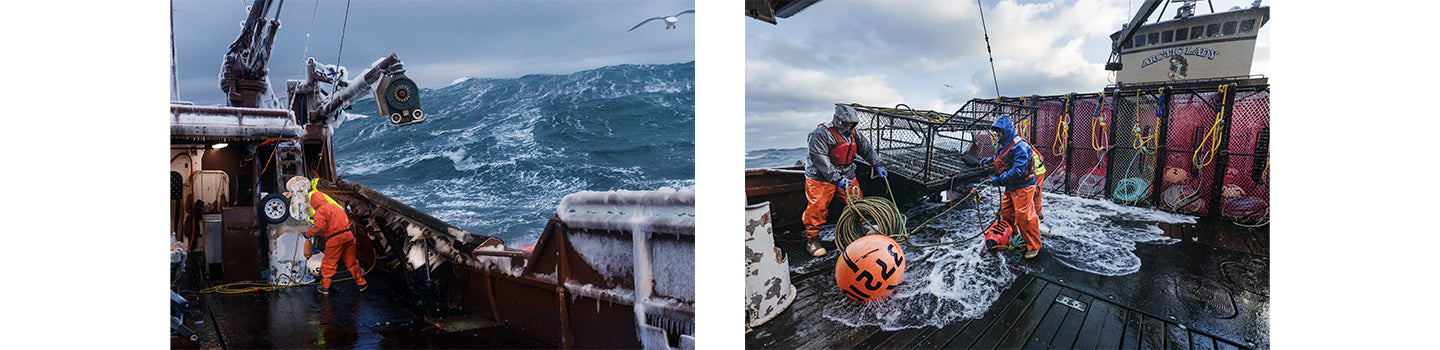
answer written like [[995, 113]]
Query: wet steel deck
[[1208, 291], [387, 315]]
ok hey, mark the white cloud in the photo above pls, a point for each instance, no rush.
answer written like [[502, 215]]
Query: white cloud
[[783, 103], [786, 87]]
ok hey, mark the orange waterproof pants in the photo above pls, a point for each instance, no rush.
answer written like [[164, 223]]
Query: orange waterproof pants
[[337, 247], [1018, 208], [1039, 187], [819, 194]]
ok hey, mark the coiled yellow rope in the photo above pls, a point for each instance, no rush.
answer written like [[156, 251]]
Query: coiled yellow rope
[[1094, 119], [1212, 137], [1063, 129]]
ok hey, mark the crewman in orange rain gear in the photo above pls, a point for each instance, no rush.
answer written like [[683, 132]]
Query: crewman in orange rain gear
[[1039, 183], [332, 224], [1015, 171], [830, 170]]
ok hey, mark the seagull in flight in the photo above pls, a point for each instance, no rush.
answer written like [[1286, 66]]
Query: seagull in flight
[[669, 20]]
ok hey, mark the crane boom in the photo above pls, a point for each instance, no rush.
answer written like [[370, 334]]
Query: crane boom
[[1146, 9], [243, 73]]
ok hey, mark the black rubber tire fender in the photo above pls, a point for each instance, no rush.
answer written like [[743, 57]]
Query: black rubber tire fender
[[283, 205]]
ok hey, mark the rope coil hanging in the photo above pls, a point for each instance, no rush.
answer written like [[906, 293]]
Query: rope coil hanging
[[1212, 137], [1063, 129]]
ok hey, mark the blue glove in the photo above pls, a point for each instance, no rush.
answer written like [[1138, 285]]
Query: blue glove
[[844, 184], [986, 160], [881, 170], [990, 180]]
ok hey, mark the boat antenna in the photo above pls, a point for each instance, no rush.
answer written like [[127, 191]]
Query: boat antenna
[[174, 72], [987, 48], [342, 40], [306, 54]]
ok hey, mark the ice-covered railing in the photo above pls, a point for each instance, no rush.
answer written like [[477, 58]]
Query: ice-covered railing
[[188, 120], [664, 210], [665, 292]]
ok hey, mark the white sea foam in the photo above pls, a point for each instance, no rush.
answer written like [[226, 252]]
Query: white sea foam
[[953, 282]]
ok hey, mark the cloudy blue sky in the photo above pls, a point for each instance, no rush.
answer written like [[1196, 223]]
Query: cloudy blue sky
[[883, 53], [439, 41]]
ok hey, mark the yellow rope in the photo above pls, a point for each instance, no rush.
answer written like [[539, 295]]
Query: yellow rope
[[256, 287], [1022, 128], [1094, 140], [1146, 144], [1063, 129], [1212, 137]]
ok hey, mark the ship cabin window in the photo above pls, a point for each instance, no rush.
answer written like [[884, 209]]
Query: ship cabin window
[[1181, 34], [1196, 32], [1247, 26], [1229, 28], [1212, 30], [1153, 38], [1139, 41], [1166, 36], [1129, 44]]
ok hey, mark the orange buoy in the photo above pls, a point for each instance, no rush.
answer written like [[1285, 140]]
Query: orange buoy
[[1176, 175], [870, 268], [1232, 191]]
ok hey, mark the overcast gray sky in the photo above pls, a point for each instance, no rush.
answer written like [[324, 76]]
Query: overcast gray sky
[[439, 41], [883, 53]]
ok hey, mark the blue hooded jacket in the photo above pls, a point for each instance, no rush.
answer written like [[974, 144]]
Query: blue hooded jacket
[[1020, 156]]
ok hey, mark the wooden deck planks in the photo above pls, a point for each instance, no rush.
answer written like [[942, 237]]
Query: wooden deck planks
[[1176, 337], [1221, 345], [1041, 335], [1014, 330], [1026, 315], [1114, 330], [961, 334], [977, 329], [1152, 333], [1070, 328], [1131, 338], [909, 341], [1093, 326], [1201, 342]]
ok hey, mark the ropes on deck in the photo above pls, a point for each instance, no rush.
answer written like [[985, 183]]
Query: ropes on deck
[[878, 215]]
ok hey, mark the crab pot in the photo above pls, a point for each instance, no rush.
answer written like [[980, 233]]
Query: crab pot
[[1191, 149], [932, 151]]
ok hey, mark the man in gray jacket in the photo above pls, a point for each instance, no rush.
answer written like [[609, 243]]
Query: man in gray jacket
[[830, 170]]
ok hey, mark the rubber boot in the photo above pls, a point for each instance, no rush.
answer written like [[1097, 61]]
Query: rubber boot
[[323, 290], [812, 242]]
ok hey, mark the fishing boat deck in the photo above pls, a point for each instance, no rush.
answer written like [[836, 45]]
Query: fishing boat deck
[[386, 315], [1208, 291]]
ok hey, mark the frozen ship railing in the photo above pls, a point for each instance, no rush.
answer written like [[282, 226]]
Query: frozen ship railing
[[578, 285]]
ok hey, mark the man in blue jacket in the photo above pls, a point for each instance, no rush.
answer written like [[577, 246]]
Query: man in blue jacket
[[1012, 164]]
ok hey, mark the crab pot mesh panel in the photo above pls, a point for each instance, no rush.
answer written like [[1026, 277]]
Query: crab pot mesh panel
[[1188, 189], [1020, 111], [921, 145], [1045, 142], [1085, 173], [1133, 157], [1246, 190]]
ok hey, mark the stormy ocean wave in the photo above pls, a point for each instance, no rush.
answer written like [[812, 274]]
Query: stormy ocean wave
[[495, 156]]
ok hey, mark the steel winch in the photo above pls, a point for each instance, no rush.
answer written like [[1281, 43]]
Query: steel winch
[[398, 97]]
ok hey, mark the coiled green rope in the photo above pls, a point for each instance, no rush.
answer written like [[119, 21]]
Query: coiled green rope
[[878, 215]]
